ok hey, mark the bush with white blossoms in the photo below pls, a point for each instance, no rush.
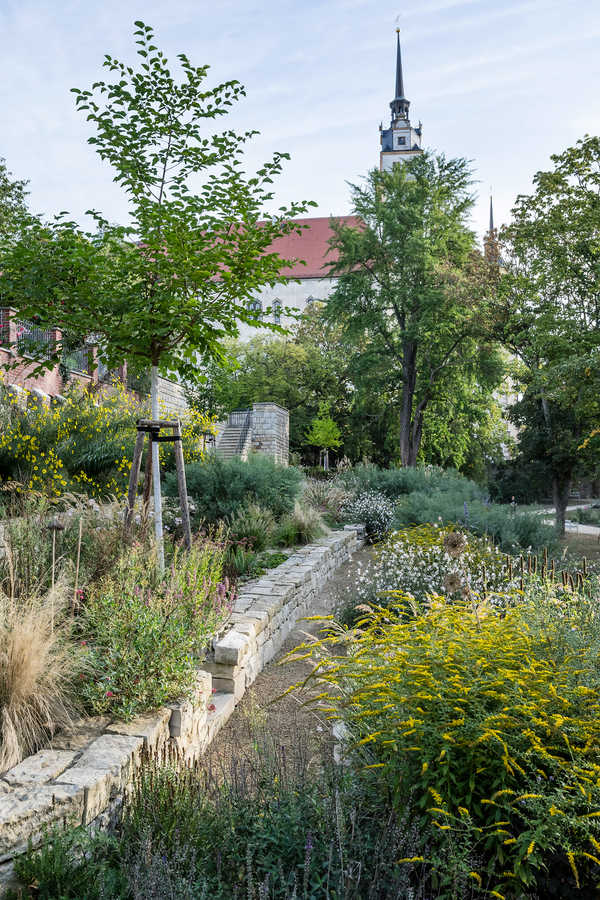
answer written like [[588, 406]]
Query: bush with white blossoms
[[372, 509], [432, 560]]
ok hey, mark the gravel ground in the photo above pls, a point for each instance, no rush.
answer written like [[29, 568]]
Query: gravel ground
[[262, 708]]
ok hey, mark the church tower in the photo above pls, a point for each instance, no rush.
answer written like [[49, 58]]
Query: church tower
[[400, 141]]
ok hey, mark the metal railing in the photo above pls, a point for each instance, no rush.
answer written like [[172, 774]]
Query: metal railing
[[4, 326], [244, 433], [237, 418], [31, 339], [77, 360]]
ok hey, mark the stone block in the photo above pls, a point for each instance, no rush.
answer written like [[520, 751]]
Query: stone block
[[153, 728], [24, 812], [81, 733], [233, 684], [40, 768], [232, 648], [100, 787], [117, 753]]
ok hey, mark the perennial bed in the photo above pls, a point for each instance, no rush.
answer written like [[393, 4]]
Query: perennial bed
[[81, 778]]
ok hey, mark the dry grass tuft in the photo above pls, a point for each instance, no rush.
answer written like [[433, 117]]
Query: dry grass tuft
[[37, 668]]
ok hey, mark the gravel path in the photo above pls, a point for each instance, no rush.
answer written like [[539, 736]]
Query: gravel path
[[262, 708]]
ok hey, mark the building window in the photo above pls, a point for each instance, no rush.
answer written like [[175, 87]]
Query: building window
[[277, 311], [401, 140], [255, 306]]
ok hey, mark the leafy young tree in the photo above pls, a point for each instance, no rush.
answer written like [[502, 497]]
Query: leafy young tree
[[170, 285], [551, 291], [413, 296], [324, 434]]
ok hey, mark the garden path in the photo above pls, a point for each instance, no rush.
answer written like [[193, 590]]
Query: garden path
[[262, 709]]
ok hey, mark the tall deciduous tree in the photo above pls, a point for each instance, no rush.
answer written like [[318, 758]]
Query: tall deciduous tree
[[413, 293], [167, 287], [551, 288]]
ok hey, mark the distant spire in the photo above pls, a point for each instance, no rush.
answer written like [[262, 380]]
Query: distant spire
[[399, 104], [491, 214], [399, 95]]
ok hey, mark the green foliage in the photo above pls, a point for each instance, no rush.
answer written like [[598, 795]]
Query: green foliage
[[551, 321], [72, 864], [586, 516], [413, 299], [145, 633], [287, 829], [302, 526], [221, 487], [13, 209], [323, 432], [26, 564], [148, 291], [253, 524], [488, 721], [510, 530], [397, 482]]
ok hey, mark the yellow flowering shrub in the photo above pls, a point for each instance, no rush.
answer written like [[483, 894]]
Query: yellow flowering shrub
[[489, 720], [84, 443]]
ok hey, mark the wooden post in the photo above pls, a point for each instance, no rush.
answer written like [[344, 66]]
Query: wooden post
[[147, 482], [182, 486], [133, 481]]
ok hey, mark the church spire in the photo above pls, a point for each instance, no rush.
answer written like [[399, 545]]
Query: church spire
[[399, 79], [491, 250], [400, 141], [399, 104], [491, 215]]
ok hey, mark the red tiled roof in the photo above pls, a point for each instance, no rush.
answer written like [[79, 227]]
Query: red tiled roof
[[312, 246]]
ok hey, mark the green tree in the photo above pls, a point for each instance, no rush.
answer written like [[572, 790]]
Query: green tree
[[551, 292], [324, 434], [167, 288], [13, 206], [299, 371], [413, 296]]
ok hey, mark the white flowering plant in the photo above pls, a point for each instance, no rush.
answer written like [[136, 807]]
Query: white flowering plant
[[372, 509], [432, 560]]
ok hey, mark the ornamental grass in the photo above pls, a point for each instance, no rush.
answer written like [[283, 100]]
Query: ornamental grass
[[38, 665], [489, 718]]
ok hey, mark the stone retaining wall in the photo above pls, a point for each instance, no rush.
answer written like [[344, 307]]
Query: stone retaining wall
[[81, 778]]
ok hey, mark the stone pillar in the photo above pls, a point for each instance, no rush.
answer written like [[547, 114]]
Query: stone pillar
[[271, 431]]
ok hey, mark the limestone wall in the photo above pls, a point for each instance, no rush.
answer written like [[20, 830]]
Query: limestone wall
[[81, 778], [271, 431]]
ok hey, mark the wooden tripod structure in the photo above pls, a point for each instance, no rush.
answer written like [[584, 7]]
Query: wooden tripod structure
[[153, 428]]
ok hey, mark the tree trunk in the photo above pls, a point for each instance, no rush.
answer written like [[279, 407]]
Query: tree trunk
[[158, 525], [561, 489], [409, 379]]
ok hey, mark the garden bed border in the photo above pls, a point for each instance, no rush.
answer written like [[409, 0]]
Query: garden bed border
[[82, 777]]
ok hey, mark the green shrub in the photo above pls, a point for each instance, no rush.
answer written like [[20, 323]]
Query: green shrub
[[253, 524], [489, 720], [511, 530], [302, 526], [375, 511], [145, 635], [220, 487], [395, 483], [586, 516]]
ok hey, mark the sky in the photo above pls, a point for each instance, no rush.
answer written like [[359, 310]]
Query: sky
[[504, 85]]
